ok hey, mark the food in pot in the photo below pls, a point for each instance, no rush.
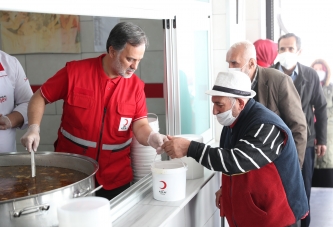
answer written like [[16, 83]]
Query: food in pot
[[16, 181]]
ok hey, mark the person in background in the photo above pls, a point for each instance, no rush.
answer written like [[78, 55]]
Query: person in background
[[309, 89], [266, 50], [15, 93], [274, 89], [261, 182], [104, 104], [323, 167]]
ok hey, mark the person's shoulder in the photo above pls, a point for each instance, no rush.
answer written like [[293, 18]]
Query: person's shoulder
[[3, 54], [7, 58], [133, 80], [136, 78], [274, 71], [306, 69], [83, 62], [134, 83], [264, 113], [272, 74]]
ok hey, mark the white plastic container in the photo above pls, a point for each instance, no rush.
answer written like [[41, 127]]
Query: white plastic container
[[169, 180], [85, 212], [153, 122], [195, 170]]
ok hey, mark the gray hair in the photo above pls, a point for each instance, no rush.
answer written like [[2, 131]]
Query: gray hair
[[126, 32], [233, 99], [288, 35], [249, 49]]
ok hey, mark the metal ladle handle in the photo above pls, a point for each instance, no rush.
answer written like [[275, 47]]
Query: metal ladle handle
[[87, 192], [33, 165]]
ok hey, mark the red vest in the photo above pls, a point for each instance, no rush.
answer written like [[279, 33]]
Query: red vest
[[103, 133]]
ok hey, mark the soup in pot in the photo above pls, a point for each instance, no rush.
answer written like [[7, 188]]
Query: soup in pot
[[16, 181]]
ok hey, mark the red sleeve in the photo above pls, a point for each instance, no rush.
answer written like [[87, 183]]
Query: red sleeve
[[56, 87], [141, 107]]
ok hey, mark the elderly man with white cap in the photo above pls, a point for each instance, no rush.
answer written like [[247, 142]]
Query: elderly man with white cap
[[261, 182]]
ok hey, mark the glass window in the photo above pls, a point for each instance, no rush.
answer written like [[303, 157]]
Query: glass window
[[194, 81], [193, 68], [315, 31]]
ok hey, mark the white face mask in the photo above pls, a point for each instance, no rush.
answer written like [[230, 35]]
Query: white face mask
[[288, 60], [237, 69], [226, 117], [321, 75]]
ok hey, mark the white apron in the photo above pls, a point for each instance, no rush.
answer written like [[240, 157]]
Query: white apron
[[7, 137]]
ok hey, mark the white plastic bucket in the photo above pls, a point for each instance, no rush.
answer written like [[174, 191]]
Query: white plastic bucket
[[85, 212], [169, 180]]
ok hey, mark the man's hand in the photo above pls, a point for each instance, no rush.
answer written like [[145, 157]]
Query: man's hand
[[5, 123], [176, 147], [217, 198], [320, 150], [156, 140], [30, 140]]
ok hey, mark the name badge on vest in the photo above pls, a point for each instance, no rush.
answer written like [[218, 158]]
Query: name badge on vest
[[124, 123]]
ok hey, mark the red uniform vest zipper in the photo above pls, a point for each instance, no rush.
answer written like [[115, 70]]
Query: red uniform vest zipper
[[100, 135]]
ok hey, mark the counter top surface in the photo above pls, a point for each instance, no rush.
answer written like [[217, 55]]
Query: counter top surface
[[158, 213]]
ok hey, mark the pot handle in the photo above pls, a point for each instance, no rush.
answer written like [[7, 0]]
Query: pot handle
[[32, 209], [86, 193]]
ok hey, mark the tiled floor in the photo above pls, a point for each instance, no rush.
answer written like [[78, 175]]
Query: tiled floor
[[321, 205]]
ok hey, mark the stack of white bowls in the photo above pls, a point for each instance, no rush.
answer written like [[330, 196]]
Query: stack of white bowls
[[143, 156]]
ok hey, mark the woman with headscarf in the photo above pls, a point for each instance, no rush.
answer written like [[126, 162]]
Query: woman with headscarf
[[267, 51], [323, 172]]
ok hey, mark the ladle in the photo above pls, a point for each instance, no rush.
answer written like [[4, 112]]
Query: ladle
[[33, 165]]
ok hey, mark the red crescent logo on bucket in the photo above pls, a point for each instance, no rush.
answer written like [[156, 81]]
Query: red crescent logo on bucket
[[164, 185]]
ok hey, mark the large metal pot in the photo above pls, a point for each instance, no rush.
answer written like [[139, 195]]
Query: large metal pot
[[40, 210]]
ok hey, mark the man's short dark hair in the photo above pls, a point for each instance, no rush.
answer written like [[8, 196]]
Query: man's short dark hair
[[126, 32], [288, 35]]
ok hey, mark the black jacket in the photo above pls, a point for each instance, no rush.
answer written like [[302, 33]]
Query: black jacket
[[312, 97]]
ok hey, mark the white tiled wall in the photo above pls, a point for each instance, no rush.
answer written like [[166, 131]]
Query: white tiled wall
[[255, 20], [226, 32], [40, 67], [220, 46]]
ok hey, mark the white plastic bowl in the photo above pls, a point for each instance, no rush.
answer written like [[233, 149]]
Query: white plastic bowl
[[85, 212]]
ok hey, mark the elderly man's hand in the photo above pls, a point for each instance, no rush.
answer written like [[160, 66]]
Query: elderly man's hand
[[176, 147], [217, 198], [321, 150]]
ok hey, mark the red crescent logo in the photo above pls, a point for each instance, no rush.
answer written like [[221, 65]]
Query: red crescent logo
[[164, 185], [126, 122]]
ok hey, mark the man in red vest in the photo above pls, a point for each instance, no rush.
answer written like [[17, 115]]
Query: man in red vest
[[104, 103]]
